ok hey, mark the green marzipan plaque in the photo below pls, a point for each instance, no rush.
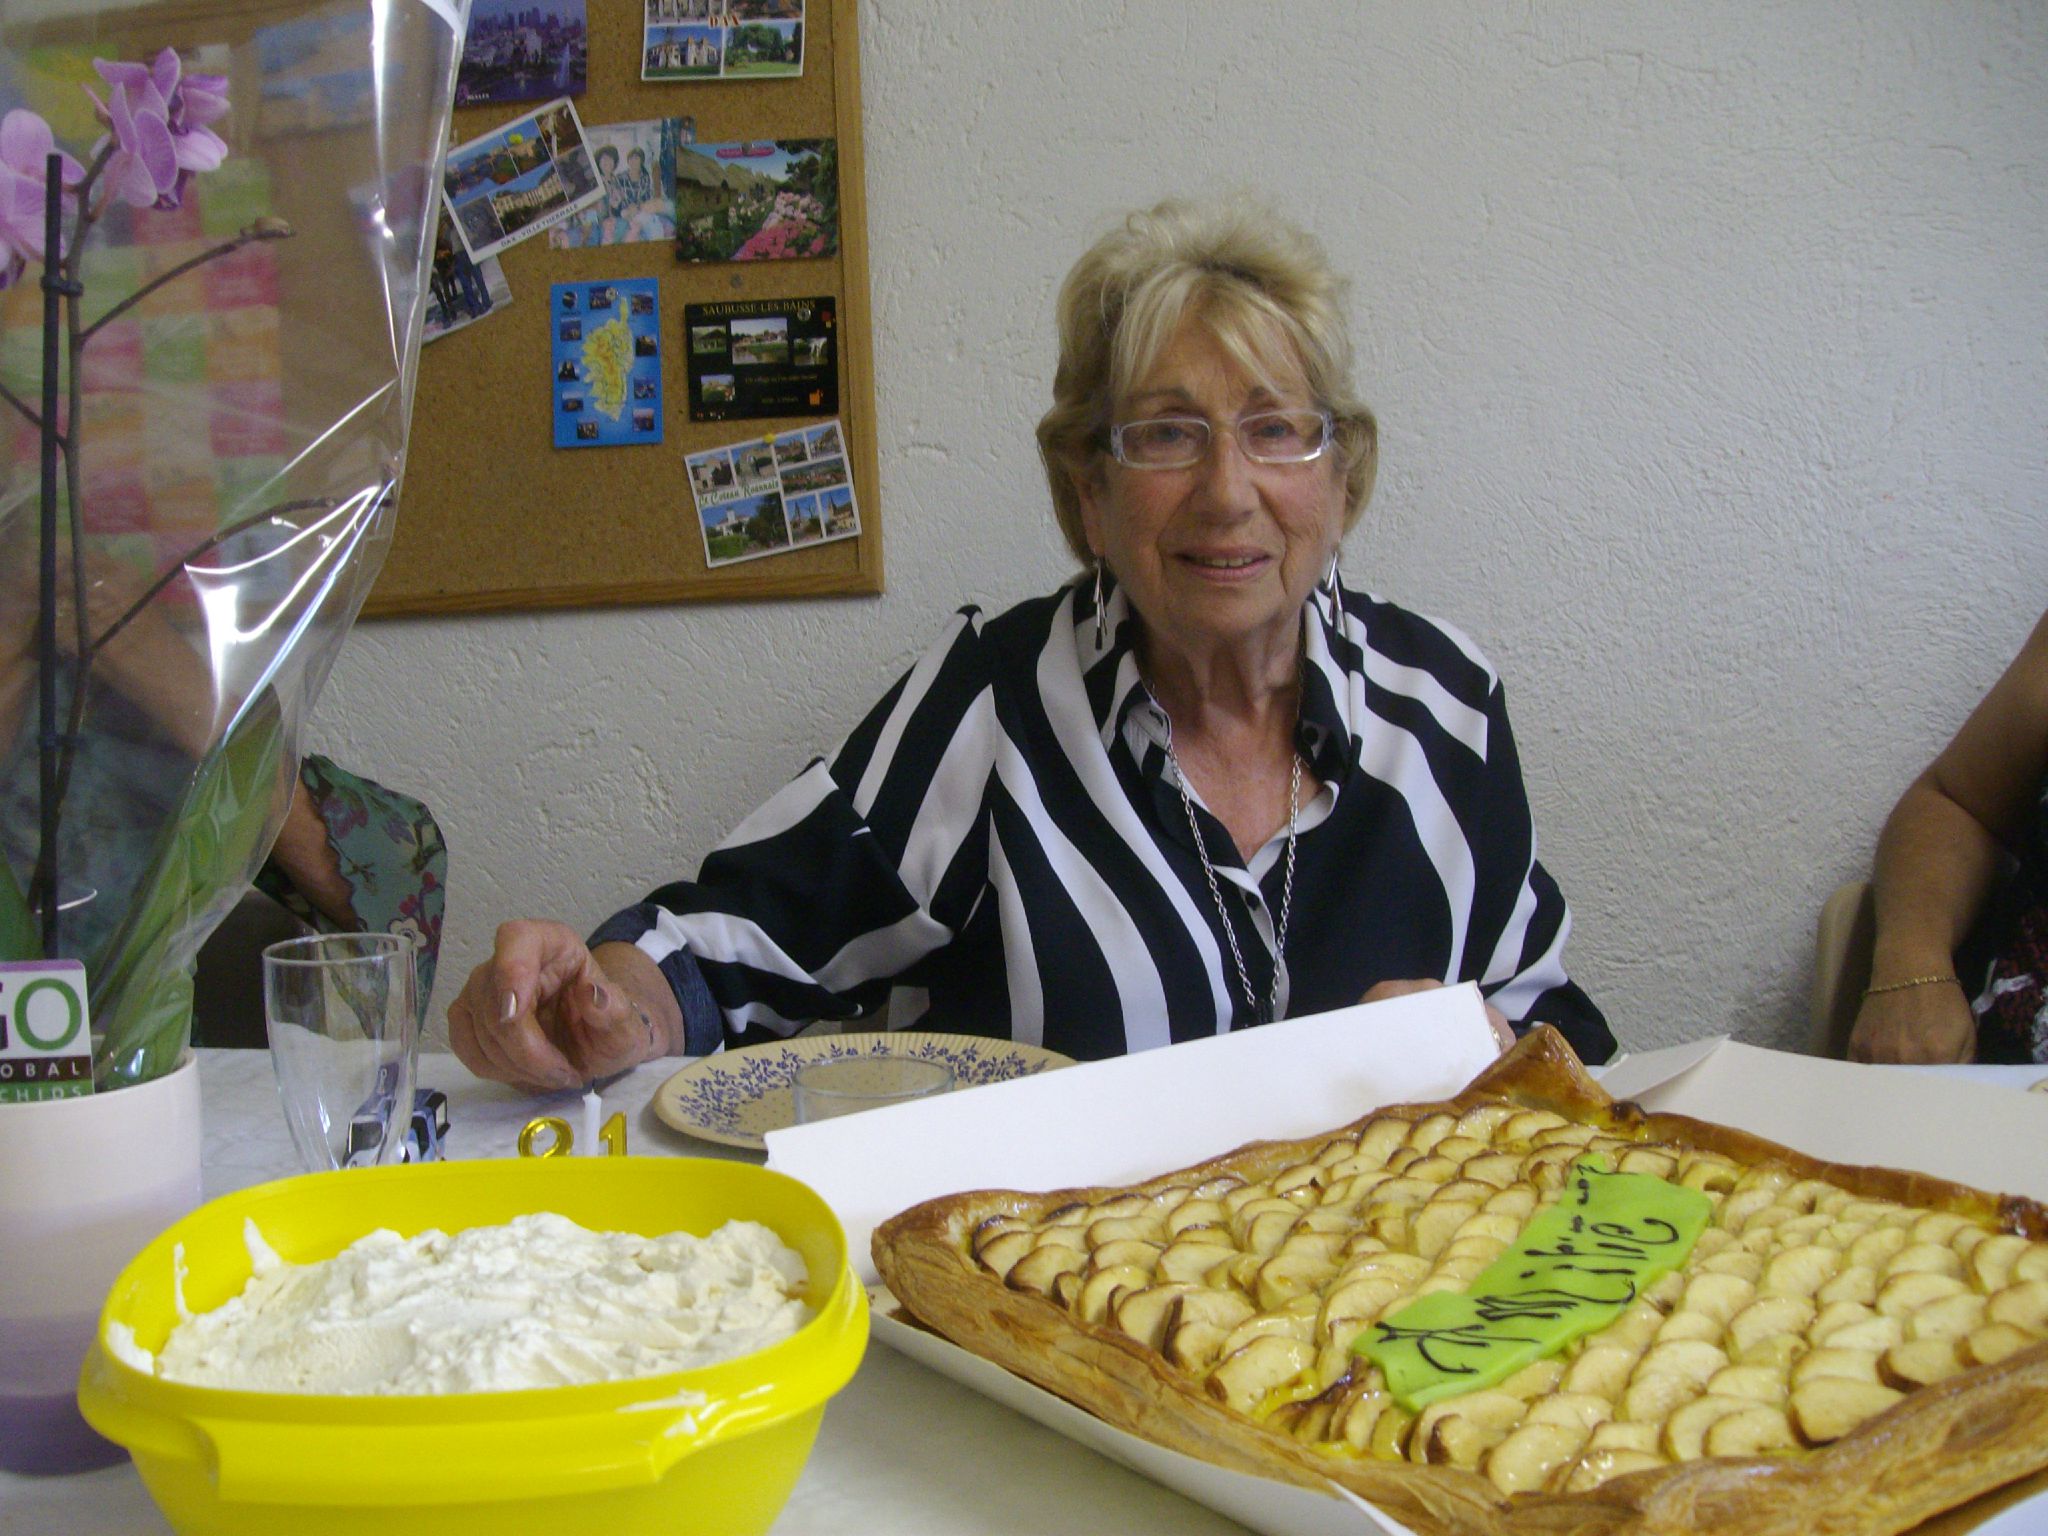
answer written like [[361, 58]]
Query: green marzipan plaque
[[1570, 1273]]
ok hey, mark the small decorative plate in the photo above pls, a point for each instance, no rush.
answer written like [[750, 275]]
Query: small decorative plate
[[736, 1097]]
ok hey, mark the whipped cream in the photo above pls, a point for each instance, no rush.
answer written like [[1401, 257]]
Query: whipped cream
[[538, 1302]]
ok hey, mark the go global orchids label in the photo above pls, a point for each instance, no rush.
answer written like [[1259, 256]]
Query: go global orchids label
[[1574, 1268], [45, 1031]]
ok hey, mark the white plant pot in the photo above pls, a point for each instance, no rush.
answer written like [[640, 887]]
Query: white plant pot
[[84, 1184]]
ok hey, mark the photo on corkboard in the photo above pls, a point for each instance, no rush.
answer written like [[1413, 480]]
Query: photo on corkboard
[[756, 358], [607, 363], [520, 179], [522, 50], [842, 517], [713, 481], [805, 525], [460, 290], [745, 528], [764, 50], [682, 53], [766, 496], [762, 340], [759, 200], [755, 464], [636, 162], [722, 40]]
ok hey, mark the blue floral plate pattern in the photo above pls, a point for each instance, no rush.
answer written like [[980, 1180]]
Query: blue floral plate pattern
[[736, 1097]]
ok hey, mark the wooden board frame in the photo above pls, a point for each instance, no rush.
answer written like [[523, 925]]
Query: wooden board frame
[[493, 517]]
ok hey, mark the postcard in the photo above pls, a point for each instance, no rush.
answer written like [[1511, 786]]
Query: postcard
[[722, 39], [460, 290], [522, 50], [759, 200], [637, 164], [606, 352], [750, 358], [520, 179], [768, 495]]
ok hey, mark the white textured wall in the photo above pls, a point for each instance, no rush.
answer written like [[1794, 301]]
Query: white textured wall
[[1710, 348]]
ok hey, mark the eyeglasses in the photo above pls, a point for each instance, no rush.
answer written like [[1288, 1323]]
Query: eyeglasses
[[1266, 437]]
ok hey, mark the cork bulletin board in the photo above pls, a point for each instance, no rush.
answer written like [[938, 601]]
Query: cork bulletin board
[[493, 516]]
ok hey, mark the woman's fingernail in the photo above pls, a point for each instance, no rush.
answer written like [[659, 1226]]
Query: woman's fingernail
[[511, 1006], [597, 994]]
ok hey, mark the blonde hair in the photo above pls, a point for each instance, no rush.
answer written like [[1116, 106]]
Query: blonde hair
[[1260, 285]]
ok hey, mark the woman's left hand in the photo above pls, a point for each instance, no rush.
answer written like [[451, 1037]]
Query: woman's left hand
[[1503, 1034]]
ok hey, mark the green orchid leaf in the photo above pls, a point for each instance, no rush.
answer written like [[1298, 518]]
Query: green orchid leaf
[[142, 979], [19, 939]]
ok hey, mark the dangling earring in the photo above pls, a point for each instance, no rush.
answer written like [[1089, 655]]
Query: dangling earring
[[1335, 587], [1101, 627]]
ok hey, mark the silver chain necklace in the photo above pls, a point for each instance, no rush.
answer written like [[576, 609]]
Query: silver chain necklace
[[1244, 979]]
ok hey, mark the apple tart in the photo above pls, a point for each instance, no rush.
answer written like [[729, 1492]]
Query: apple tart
[[1838, 1349]]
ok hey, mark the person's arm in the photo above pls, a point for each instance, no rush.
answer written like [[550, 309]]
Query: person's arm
[[813, 908], [1939, 853], [303, 854], [546, 1012]]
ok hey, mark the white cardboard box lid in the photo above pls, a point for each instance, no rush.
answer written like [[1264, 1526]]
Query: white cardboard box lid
[[1130, 1117], [1946, 1124]]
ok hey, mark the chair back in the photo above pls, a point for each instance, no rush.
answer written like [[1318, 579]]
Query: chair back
[[1841, 966]]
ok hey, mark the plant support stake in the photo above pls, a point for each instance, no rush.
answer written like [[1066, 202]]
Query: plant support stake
[[56, 288]]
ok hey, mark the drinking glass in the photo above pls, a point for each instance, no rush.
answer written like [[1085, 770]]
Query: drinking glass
[[845, 1085], [344, 1033]]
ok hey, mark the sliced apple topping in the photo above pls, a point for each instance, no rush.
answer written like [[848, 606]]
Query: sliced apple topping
[[1801, 1313]]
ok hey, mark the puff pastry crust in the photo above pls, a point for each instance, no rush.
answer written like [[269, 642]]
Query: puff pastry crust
[[1846, 1350]]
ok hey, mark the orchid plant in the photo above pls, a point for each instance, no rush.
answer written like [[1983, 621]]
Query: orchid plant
[[158, 136], [157, 141]]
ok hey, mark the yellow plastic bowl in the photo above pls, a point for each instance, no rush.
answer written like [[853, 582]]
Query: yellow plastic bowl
[[605, 1460]]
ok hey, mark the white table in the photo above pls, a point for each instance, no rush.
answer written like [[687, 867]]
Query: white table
[[902, 1450]]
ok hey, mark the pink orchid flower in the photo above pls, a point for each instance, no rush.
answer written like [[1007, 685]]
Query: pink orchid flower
[[25, 145], [158, 115]]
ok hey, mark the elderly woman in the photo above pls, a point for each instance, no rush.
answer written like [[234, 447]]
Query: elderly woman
[[1199, 788]]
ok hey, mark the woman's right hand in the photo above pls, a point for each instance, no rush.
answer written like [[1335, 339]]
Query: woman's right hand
[[1916, 1025], [542, 1014]]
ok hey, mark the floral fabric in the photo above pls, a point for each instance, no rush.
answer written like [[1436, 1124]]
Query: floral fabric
[[390, 852]]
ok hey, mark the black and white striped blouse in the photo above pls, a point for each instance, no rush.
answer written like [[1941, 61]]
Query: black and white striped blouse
[[1000, 849]]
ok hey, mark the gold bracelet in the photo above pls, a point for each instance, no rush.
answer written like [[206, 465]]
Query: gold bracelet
[[1917, 981]]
